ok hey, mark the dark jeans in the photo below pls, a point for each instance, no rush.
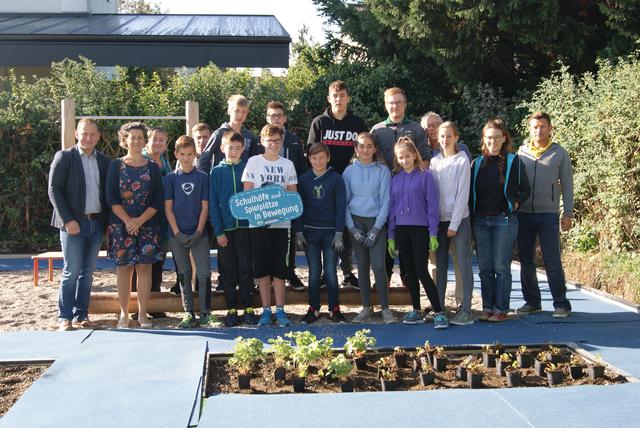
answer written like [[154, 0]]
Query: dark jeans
[[495, 236], [321, 257], [413, 245], [547, 227], [235, 259]]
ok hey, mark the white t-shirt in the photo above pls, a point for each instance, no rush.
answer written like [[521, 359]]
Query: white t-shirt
[[262, 172]]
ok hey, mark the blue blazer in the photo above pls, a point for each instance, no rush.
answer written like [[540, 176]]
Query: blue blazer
[[67, 186]]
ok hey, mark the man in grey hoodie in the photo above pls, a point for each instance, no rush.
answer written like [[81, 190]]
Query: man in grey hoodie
[[550, 173]]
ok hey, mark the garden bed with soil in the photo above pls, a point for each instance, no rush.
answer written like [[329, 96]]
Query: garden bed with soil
[[223, 378], [15, 378]]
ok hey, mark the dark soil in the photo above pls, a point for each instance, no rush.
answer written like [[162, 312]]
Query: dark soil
[[223, 379], [14, 381]]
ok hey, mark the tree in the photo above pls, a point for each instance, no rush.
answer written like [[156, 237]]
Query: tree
[[138, 6], [505, 43]]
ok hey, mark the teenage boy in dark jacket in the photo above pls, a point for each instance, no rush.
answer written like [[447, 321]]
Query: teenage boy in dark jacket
[[338, 129]]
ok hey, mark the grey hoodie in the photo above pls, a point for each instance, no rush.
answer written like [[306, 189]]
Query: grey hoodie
[[548, 175]]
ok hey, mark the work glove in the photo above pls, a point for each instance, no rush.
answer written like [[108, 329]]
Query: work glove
[[357, 234], [193, 239], [182, 238], [301, 243], [371, 237], [391, 248], [433, 244], [337, 243]]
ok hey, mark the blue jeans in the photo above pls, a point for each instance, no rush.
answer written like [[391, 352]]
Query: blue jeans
[[80, 253], [321, 257], [546, 226], [495, 236]]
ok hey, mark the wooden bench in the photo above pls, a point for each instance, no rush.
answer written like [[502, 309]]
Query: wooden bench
[[57, 255], [107, 302]]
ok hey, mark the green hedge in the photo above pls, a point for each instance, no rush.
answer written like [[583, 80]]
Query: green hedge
[[595, 118]]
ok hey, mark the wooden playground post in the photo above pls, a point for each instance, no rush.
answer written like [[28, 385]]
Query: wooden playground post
[[192, 113], [68, 120]]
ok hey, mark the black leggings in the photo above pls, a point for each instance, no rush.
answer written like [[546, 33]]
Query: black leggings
[[413, 244]]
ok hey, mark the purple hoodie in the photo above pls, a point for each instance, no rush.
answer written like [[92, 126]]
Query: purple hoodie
[[413, 201]]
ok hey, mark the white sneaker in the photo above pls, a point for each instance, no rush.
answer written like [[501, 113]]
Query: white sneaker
[[363, 316], [388, 317]]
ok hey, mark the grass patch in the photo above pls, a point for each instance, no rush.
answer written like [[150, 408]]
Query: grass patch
[[615, 273]]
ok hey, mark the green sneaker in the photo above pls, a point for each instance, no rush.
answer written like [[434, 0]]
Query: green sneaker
[[209, 320], [188, 321]]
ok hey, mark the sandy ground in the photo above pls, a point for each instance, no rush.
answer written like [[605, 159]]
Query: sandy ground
[[25, 307]]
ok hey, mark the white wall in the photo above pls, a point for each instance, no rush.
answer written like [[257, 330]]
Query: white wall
[[59, 6]]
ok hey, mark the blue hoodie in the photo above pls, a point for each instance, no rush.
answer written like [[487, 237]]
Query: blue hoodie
[[224, 183], [324, 201], [367, 188]]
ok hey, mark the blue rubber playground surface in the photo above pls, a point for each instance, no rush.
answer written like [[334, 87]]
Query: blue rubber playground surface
[[138, 378]]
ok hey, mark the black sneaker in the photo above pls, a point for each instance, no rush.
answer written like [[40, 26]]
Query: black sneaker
[[337, 317], [350, 281], [295, 282], [323, 281], [232, 319], [175, 290], [310, 317], [249, 318]]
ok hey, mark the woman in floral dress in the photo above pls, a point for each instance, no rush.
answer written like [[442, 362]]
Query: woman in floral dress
[[134, 194]]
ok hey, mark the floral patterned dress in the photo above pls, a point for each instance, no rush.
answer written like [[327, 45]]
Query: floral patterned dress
[[134, 185]]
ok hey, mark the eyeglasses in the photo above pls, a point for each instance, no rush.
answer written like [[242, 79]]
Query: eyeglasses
[[278, 141], [394, 103], [275, 116]]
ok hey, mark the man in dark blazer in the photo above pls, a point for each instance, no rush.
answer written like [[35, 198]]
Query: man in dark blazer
[[77, 192]]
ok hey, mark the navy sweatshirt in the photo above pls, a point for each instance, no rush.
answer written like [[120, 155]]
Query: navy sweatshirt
[[324, 200]]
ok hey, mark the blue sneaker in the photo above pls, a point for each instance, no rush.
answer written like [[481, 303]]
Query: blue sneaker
[[440, 322], [413, 317], [266, 317], [281, 318]]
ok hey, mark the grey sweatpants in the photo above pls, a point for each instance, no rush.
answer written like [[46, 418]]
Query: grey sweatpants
[[374, 258], [200, 253]]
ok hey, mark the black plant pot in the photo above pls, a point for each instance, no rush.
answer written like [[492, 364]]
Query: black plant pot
[[298, 384], [388, 385], [346, 386], [554, 358], [539, 367], [514, 379], [416, 365], [488, 359], [461, 373], [429, 356], [427, 378], [360, 362], [576, 372], [525, 359], [555, 378], [474, 380], [501, 366], [279, 374], [244, 381], [595, 372], [439, 363], [401, 360]]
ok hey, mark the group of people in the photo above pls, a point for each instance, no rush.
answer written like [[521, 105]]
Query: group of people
[[401, 190]]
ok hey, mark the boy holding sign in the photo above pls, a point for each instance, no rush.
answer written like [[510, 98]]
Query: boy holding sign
[[234, 241], [270, 245]]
